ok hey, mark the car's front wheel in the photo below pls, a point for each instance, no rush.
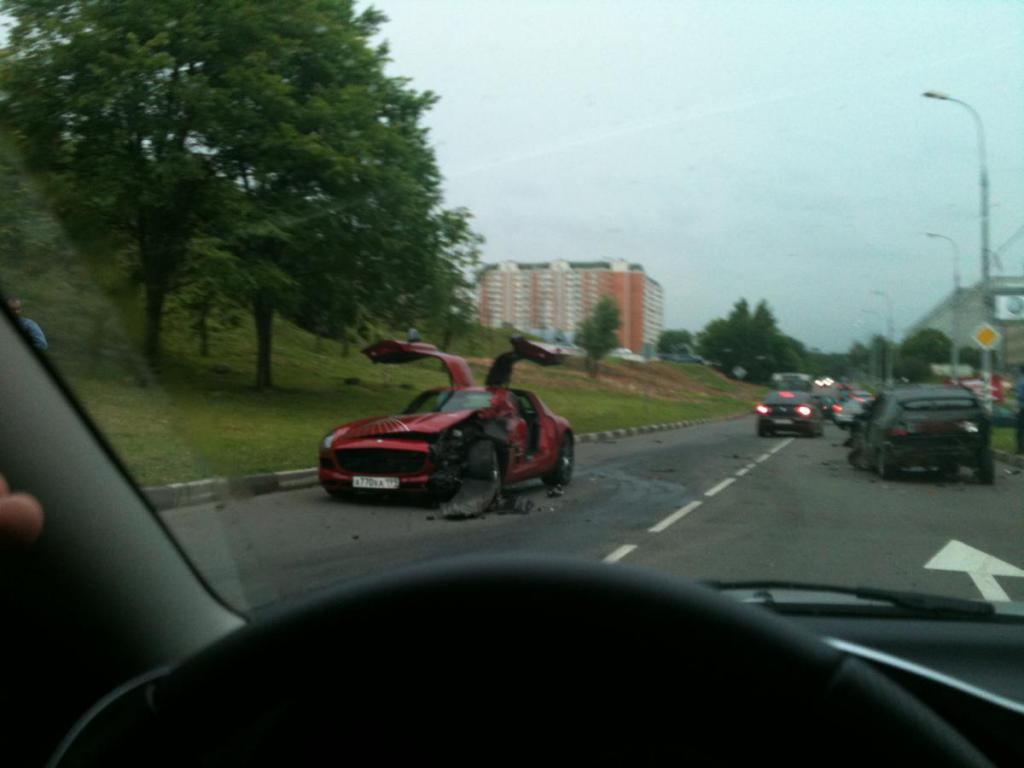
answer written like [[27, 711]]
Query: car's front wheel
[[562, 473]]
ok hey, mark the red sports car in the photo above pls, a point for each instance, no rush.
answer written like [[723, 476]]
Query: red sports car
[[458, 444]]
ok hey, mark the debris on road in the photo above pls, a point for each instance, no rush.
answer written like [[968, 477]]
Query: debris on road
[[1012, 471], [355, 535], [430, 517], [522, 506], [555, 491]]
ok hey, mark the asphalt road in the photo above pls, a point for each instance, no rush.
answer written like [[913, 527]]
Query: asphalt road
[[708, 502]]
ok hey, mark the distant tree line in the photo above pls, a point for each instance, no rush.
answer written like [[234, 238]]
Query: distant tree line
[[751, 340], [233, 157]]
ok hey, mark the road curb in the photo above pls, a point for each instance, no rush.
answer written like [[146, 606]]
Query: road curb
[[175, 495], [1008, 458]]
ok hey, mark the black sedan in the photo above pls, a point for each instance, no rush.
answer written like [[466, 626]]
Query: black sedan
[[931, 427], [787, 411]]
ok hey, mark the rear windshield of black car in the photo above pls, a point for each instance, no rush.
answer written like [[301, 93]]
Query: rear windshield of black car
[[940, 404], [796, 398]]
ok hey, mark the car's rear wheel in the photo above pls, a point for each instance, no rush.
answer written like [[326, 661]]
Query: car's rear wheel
[[562, 473], [986, 467], [763, 431]]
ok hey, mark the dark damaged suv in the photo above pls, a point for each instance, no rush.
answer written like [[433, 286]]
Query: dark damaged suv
[[929, 426]]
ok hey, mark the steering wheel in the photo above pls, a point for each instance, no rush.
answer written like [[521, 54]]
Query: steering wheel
[[529, 659]]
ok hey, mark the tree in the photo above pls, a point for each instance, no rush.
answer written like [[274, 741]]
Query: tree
[[270, 129], [112, 103], [929, 345], [751, 340], [971, 356], [675, 341], [597, 334], [450, 304]]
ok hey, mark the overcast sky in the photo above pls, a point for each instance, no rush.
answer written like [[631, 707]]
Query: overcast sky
[[766, 150]]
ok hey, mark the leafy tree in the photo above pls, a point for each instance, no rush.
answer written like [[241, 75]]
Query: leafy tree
[[597, 334], [270, 129], [112, 102], [450, 301], [971, 356], [751, 340], [913, 369], [928, 344], [675, 341]]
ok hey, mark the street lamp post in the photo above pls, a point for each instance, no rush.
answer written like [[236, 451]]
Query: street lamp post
[[954, 353], [986, 287], [876, 373], [891, 340]]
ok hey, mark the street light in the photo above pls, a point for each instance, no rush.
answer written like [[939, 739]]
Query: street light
[[954, 353], [891, 333], [986, 292], [876, 374]]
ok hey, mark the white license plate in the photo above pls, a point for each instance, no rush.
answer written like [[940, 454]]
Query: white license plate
[[782, 421], [385, 483]]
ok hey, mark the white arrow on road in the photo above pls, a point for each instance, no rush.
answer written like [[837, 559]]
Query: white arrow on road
[[982, 568]]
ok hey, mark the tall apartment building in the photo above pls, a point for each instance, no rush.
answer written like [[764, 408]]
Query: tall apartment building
[[558, 295]]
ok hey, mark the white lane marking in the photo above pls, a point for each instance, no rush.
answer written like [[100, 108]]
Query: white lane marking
[[980, 566], [751, 465], [721, 486], [675, 517], [763, 457], [782, 445], [989, 587], [620, 553], [742, 472]]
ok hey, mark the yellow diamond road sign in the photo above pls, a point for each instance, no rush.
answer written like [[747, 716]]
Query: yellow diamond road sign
[[986, 337]]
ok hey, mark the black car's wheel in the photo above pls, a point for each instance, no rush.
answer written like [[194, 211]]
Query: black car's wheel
[[886, 469], [986, 467], [763, 431], [562, 473]]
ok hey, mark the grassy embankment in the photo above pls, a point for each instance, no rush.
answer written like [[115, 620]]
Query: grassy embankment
[[201, 416]]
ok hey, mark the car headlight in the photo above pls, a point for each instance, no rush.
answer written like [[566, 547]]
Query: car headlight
[[969, 426], [325, 445]]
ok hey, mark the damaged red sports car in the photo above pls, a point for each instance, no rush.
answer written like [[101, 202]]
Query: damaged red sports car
[[457, 444]]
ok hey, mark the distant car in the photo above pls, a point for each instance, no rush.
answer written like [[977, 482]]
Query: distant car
[[447, 437], [787, 411], [824, 403], [861, 395], [931, 426]]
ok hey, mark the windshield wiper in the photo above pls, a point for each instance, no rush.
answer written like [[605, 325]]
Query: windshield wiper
[[772, 594]]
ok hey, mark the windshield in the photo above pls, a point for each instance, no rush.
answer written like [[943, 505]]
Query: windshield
[[447, 401], [246, 240]]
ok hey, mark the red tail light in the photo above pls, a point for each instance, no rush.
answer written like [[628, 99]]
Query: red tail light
[[837, 408], [897, 432], [803, 410], [764, 410]]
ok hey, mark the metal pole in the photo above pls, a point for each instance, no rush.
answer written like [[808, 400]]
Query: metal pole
[[890, 341], [954, 351], [986, 285]]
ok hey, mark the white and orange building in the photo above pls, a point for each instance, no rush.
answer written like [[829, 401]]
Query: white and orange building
[[559, 295]]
